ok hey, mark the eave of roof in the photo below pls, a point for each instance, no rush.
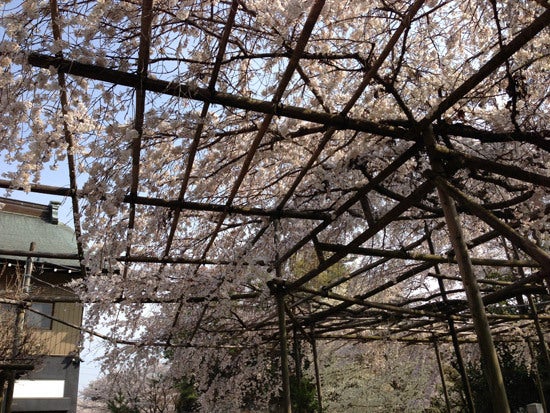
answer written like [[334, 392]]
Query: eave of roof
[[18, 230]]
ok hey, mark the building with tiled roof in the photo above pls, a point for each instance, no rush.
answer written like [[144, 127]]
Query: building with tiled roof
[[38, 309]]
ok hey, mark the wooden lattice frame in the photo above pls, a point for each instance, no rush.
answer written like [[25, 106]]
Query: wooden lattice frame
[[335, 315]]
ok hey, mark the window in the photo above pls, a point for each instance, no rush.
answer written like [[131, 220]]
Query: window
[[38, 321]]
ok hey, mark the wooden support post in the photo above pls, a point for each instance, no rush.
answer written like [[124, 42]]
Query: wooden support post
[[297, 354], [540, 387], [489, 358], [467, 389], [28, 272], [286, 404], [544, 376], [19, 330], [316, 367], [2, 383], [442, 375], [540, 334], [529, 247], [543, 348], [2, 395], [9, 393], [536, 320], [310, 337], [454, 337]]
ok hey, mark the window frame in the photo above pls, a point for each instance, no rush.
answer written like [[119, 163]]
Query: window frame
[[37, 321]]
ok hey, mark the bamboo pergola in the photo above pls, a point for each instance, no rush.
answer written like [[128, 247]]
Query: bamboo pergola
[[430, 199]]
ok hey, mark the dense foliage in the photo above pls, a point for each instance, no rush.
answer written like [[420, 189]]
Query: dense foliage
[[520, 380]]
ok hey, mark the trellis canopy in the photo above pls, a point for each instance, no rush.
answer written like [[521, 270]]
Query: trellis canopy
[[381, 167]]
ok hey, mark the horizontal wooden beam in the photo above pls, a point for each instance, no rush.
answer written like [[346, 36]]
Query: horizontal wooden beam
[[509, 171], [181, 90], [237, 210], [185, 205], [416, 256], [398, 129]]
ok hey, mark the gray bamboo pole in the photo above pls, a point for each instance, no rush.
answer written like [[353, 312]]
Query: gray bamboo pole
[[416, 256], [509, 171], [535, 316], [529, 247], [456, 345], [316, 367], [311, 339], [9, 393], [297, 354], [2, 394], [489, 357], [540, 388], [19, 329], [286, 404], [505, 52], [540, 333], [543, 349], [69, 139], [442, 375], [461, 368]]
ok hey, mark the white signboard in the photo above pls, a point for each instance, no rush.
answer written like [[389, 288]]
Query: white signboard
[[38, 389]]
